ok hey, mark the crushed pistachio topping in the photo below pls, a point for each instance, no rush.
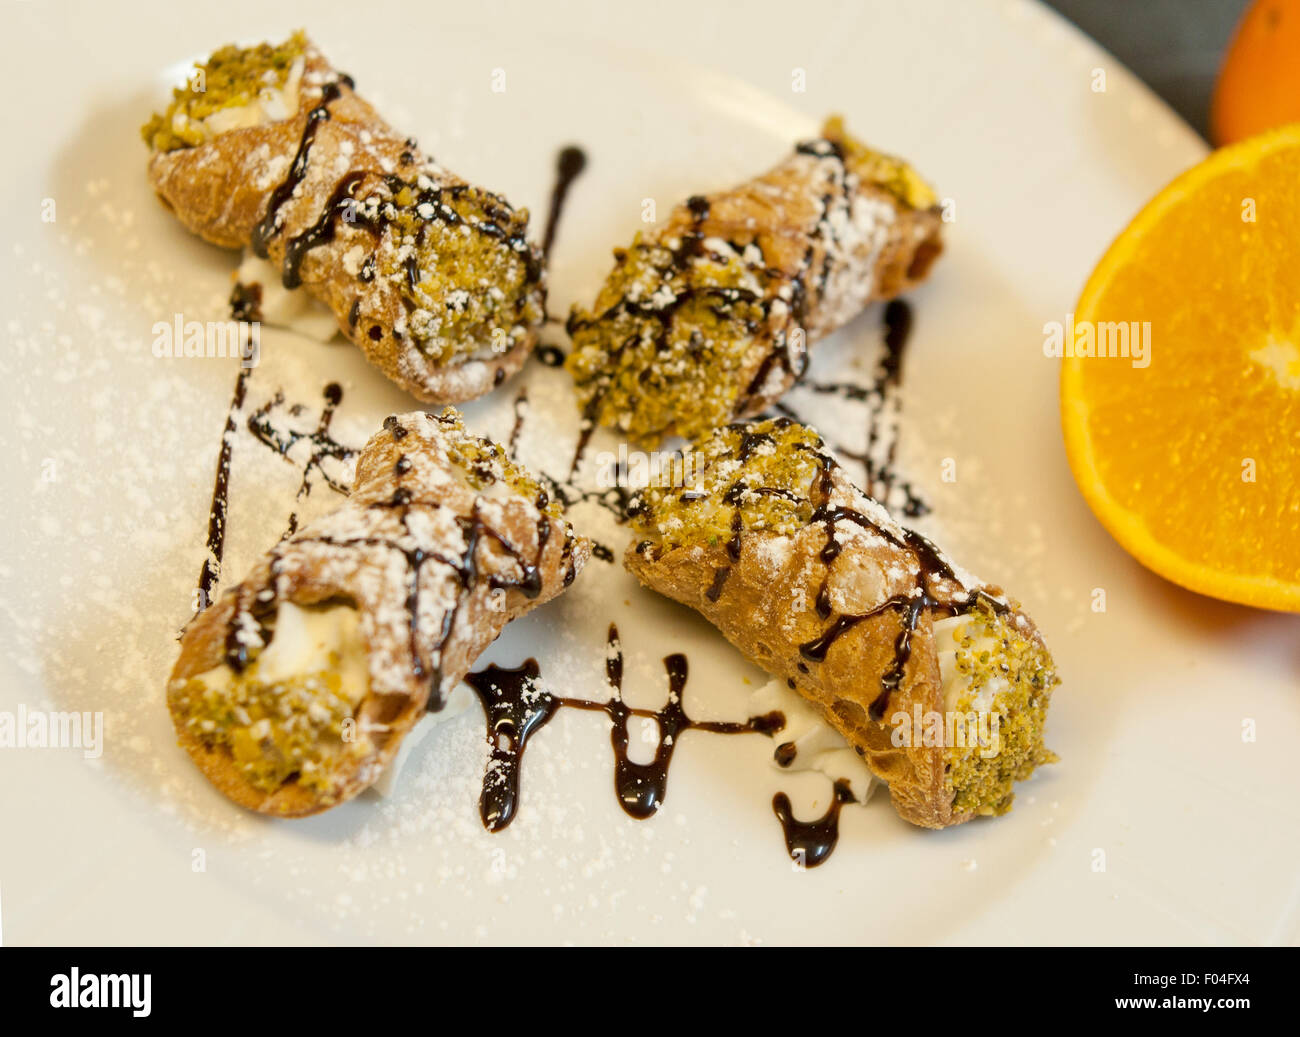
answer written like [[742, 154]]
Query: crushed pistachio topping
[[455, 261], [661, 349], [994, 655], [875, 167], [484, 463], [280, 726], [231, 77], [764, 471]]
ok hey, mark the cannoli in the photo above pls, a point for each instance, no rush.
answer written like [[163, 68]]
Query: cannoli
[[708, 318], [940, 682], [294, 690], [269, 148]]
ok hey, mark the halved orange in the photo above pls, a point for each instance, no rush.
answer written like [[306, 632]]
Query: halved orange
[[1192, 462]]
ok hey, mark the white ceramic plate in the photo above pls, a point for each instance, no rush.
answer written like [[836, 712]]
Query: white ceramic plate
[[108, 461]]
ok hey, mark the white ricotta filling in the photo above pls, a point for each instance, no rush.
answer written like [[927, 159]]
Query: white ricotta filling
[[957, 686], [304, 639], [281, 307], [818, 746], [272, 104]]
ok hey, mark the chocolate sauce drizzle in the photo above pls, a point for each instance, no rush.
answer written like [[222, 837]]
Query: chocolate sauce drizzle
[[550, 354], [569, 165], [521, 413], [269, 225], [246, 302], [210, 574], [264, 431], [323, 445], [809, 843], [883, 407], [516, 705]]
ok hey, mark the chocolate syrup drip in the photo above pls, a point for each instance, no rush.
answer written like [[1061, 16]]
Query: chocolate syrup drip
[[898, 326], [341, 205], [395, 428], [618, 501], [811, 842], [898, 329], [269, 225], [517, 704], [642, 787], [550, 355], [794, 362], [210, 574], [246, 302], [737, 531], [749, 441], [569, 165], [880, 475], [585, 431], [324, 446], [521, 412], [880, 478]]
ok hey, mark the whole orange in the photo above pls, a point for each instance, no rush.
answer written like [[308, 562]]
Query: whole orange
[[1259, 84]]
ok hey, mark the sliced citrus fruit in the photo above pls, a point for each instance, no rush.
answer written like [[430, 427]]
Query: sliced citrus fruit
[[1190, 456]]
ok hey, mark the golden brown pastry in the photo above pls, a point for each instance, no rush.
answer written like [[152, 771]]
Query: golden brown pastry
[[709, 317], [816, 583], [270, 148], [296, 688]]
